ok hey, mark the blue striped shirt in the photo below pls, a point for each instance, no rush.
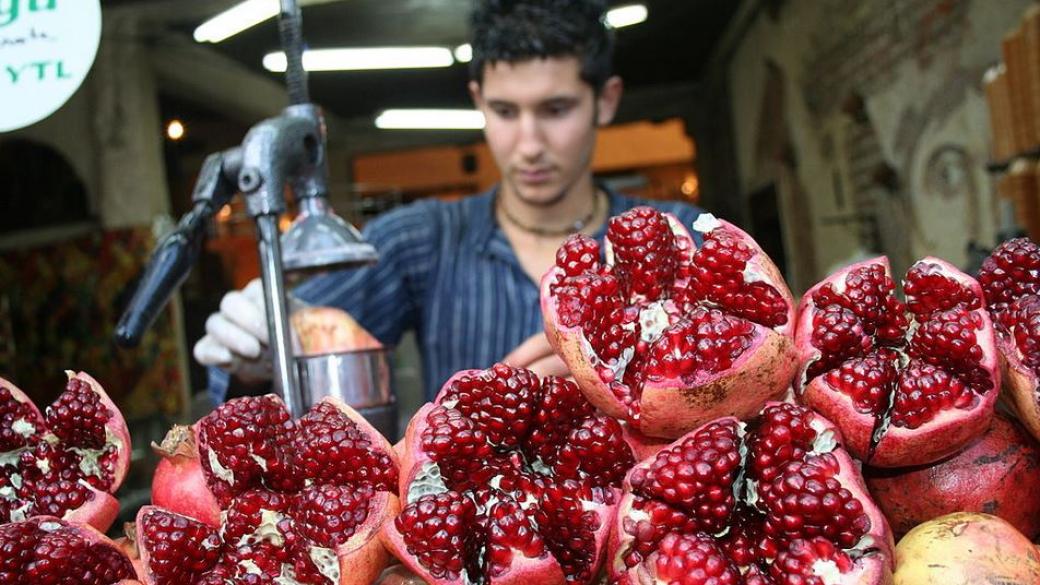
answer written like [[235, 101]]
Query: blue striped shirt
[[447, 271]]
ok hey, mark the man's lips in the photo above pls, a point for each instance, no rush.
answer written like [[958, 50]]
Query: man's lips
[[534, 176]]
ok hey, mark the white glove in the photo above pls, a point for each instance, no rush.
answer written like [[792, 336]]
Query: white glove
[[236, 336]]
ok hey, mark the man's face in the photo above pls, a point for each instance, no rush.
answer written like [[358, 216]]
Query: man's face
[[541, 124]]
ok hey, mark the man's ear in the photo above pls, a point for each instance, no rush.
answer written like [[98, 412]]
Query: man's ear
[[475, 94], [608, 99]]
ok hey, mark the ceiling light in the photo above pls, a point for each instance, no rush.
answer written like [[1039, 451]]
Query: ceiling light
[[175, 130], [430, 120], [359, 59], [626, 15], [464, 53], [235, 20]]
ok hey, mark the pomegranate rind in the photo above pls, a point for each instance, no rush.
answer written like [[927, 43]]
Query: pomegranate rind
[[179, 484], [872, 569], [966, 547], [998, 474], [945, 434], [1021, 386], [671, 407]]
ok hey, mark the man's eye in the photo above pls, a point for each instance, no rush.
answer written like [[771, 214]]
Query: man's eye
[[504, 112], [556, 110]]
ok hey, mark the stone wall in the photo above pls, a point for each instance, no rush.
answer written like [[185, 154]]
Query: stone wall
[[870, 118]]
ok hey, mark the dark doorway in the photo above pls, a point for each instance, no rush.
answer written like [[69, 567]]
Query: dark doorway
[[766, 226]]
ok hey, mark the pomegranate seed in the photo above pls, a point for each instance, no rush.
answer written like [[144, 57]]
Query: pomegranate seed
[[796, 565], [717, 276], [508, 530], [805, 501], [696, 475], [11, 411], [579, 253], [435, 528], [869, 380], [180, 549], [694, 560], [328, 447], [568, 529], [1011, 271], [78, 417], [239, 432], [644, 252], [948, 340], [596, 449], [708, 341], [1026, 316], [586, 299], [784, 435], [661, 520], [924, 391], [328, 515], [929, 291], [61, 552], [746, 543], [560, 406], [246, 512]]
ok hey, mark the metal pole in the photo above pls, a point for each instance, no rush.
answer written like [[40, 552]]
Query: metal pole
[[290, 28], [286, 378]]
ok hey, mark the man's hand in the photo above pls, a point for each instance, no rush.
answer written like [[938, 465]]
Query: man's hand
[[537, 355], [236, 336]]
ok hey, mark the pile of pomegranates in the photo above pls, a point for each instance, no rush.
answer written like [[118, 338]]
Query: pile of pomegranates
[[714, 432]]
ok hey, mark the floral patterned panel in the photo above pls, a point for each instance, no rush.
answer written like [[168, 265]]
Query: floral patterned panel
[[59, 305]]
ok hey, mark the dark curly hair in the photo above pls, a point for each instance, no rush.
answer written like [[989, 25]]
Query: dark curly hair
[[519, 30]]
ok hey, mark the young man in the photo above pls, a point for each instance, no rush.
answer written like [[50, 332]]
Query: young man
[[465, 274]]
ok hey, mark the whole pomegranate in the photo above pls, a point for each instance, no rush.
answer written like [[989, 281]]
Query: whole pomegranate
[[297, 500], [1010, 279], [321, 330], [776, 501], [907, 383], [66, 462], [45, 550], [667, 335], [507, 479], [966, 547], [998, 473]]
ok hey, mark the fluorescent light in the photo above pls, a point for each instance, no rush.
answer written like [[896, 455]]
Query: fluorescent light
[[359, 59], [235, 20], [464, 53], [626, 15], [430, 120]]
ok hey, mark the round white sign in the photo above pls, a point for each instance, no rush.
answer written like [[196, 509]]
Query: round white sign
[[46, 50]]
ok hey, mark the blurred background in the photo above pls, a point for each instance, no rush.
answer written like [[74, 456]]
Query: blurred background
[[830, 130]]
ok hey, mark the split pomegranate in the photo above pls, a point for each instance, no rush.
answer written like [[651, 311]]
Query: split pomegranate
[[998, 473], [776, 501], [507, 479], [66, 462], [48, 550], [908, 384], [665, 334], [1010, 279], [966, 547], [296, 500]]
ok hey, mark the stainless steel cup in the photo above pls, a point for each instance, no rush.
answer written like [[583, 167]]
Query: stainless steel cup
[[360, 378]]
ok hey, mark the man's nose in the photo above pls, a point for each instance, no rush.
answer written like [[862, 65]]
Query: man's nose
[[532, 142]]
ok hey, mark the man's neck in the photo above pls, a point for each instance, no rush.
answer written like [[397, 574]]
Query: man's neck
[[576, 204]]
